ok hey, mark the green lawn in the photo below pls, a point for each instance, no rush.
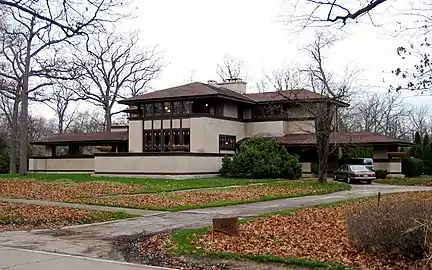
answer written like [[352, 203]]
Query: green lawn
[[417, 181], [150, 185]]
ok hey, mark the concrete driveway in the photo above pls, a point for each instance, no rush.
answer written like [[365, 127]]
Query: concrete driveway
[[20, 259]]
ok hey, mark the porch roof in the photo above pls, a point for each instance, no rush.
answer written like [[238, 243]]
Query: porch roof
[[91, 137], [344, 138]]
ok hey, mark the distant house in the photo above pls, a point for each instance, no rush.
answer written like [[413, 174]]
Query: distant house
[[186, 130]]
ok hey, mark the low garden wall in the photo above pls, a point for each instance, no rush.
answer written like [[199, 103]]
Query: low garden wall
[[79, 164], [158, 164]]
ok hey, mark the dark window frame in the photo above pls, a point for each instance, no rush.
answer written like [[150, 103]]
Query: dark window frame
[[227, 142], [164, 145]]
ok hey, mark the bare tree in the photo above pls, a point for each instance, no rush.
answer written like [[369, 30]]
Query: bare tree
[[319, 13], [87, 121], [382, 113], [230, 69], [41, 27], [114, 67], [289, 77], [420, 119], [331, 92], [61, 99]]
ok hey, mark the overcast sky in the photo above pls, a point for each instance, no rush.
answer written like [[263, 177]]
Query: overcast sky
[[194, 35]]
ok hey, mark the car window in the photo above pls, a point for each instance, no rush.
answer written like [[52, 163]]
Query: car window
[[367, 161], [359, 168]]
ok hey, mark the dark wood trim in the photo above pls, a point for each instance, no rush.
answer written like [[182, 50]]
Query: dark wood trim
[[171, 134], [82, 143], [62, 157], [118, 127], [345, 143], [383, 160], [184, 98], [144, 154], [181, 135], [152, 135], [278, 118], [63, 171], [162, 136], [158, 173]]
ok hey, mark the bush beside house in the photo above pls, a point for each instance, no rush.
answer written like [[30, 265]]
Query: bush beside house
[[261, 158]]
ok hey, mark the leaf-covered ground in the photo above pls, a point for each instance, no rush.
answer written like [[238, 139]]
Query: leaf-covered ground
[[181, 200], [146, 184], [15, 216], [61, 190], [315, 234]]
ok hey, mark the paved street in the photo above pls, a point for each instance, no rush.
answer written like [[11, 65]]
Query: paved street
[[19, 259]]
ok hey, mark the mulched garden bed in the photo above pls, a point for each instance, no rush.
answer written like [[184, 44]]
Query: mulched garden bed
[[312, 234], [15, 216], [181, 200]]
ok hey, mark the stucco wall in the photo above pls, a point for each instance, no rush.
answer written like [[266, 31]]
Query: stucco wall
[[306, 167], [166, 124], [230, 110], [271, 128], [395, 167], [61, 164], [135, 135], [204, 133], [298, 127], [164, 164]]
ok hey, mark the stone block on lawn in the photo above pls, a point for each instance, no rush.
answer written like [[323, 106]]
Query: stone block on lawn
[[227, 225]]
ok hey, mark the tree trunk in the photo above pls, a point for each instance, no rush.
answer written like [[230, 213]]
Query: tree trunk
[[108, 119], [322, 167], [14, 136], [323, 130], [24, 121]]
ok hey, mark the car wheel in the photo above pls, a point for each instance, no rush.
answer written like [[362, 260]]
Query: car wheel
[[348, 180]]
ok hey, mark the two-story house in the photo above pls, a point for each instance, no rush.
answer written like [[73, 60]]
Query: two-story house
[[186, 130]]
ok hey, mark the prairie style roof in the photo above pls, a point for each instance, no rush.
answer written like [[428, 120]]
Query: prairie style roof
[[357, 138], [195, 89], [198, 89], [298, 94], [93, 137]]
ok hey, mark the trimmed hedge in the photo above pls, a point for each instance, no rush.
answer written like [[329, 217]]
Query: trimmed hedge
[[381, 174], [261, 158], [412, 167]]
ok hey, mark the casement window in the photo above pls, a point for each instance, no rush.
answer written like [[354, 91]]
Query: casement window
[[167, 108], [158, 109], [187, 107], [227, 142], [148, 109], [166, 140], [177, 108]]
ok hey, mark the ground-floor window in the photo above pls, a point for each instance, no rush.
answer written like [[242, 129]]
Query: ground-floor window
[[167, 140], [227, 142]]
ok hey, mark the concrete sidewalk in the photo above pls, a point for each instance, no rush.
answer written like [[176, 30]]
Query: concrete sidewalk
[[20, 259]]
